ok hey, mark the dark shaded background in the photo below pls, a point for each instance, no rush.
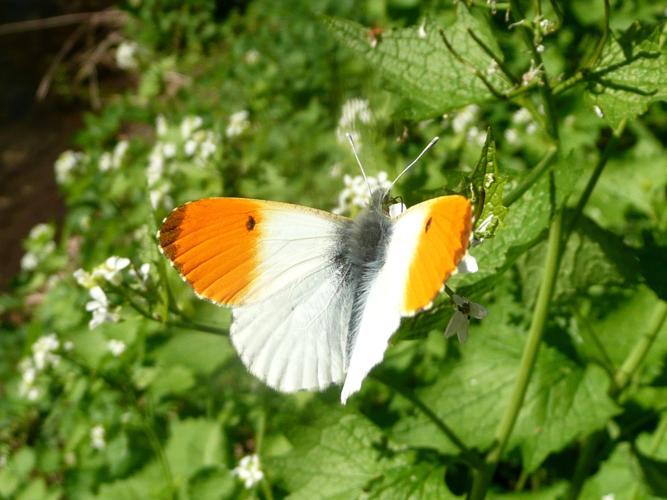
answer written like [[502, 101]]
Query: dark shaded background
[[32, 133]]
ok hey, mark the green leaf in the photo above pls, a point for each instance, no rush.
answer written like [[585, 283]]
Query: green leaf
[[594, 260], [193, 444], [487, 187], [654, 472], [200, 352], [213, 483], [631, 74], [334, 457], [567, 404], [422, 480], [618, 476], [171, 380], [421, 68], [617, 325], [16, 471], [564, 400]]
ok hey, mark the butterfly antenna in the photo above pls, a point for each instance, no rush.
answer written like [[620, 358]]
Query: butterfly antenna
[[428, 146], [361, 167]]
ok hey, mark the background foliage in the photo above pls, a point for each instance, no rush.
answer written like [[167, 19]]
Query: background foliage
[[118, 383]]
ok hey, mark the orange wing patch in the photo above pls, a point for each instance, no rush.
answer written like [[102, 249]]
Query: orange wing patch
[[213, 244], [443, 241]]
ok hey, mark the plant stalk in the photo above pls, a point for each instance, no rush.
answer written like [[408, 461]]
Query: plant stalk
[[503, 432]]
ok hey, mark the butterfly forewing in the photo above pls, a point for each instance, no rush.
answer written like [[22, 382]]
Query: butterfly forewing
[[273, 263]]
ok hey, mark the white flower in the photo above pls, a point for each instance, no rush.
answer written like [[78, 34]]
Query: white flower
[[464, 118], [83, 278], [531, 128], [547, 26], [190, 147], [251, 57], [161, 126], [116, 347], [208, 146], [66, 164], [99, 307], [29, 261], [119, 153], [42, 351], [354, 111], [32, 394], [249, 471], [511, 136], [97, 437], [421, 31], [160, 196], [68, 346], [460, 320], [474, 134], [540, 48], [169, 149], [40, 231], [238, 123], [126, 53], [106, 162], [356, 192], [522, 116], [189, 125], [155, 165], [111, 268], [598, 111]]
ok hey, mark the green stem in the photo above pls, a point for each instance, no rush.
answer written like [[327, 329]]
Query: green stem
[[532, 177], [634, 360], [469, 456], [483, 477]]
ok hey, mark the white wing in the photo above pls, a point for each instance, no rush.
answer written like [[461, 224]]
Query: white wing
[[425, 246], [296, 338]]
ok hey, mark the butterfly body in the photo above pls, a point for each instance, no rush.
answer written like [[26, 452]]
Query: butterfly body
[[315, 296]]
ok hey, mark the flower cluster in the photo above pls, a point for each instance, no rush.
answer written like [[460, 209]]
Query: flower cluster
[[238, 123], [187, 142], [98, 437], [355, 111], [43, 357], [356, 192], [38, 245], [67, 164], [249, 471], [110, 272], [463, 122], [522, 123], [112, 160]]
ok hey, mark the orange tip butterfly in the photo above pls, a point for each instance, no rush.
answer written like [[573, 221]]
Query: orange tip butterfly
[[315, 296]]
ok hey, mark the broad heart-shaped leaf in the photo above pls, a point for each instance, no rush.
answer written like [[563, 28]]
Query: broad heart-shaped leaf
[[631, 74], [594, 259], [334, 457], [564, 400], [422, 69]]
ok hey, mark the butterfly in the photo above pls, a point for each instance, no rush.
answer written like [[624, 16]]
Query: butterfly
[[315, 296]]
